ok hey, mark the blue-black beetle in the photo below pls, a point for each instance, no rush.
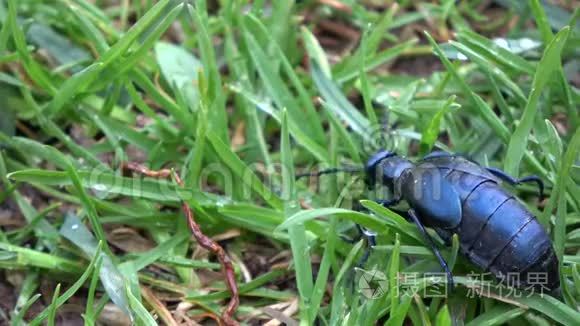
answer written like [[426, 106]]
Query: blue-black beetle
[[453, 194]]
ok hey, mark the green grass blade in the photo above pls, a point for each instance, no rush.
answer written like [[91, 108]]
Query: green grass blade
[[19, 318], [295, 128], [431, 133], [552, 308], [541, 21], [241, 170], [71, 87], [383, 57], [123, 44], [180, 69], [495, 53], [304, 96], [484, 110], [560, 198], [32, 67], [113, 281], [154, 189], [321, 282], [52, 307], [488, 67], [301, 217], [72, 290], [338, 103], [90, 316], [217, 115], [279, 92], [88, 206], [142, 314], [297, 232], [394, 276], [498, 315], [549, 64]]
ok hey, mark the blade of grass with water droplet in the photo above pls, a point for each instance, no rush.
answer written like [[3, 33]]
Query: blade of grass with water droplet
[[495, 53], [113, 281], [159, 190], [365, 220], [487, 66], [349, 142]]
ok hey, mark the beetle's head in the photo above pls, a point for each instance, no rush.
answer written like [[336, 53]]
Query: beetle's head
[[385, 167]]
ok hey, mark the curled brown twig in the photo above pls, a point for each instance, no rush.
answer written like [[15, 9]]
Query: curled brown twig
[[203, 240]]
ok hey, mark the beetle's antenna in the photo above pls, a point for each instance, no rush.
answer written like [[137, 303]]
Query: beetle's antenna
[[352, 169]]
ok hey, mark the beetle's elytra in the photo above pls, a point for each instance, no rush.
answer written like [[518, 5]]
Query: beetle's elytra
[[452, 194]]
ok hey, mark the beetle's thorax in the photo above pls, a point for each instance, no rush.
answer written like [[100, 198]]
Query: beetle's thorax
[[388, 170], [393, 168]]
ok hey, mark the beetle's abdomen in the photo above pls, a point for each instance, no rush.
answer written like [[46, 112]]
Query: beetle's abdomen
[[528, 260], [498, 234]]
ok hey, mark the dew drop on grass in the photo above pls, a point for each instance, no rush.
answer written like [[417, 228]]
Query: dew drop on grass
[[100, 190], [99, 187], [222, 202]]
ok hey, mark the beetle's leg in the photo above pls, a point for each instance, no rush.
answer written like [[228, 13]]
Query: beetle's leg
[[445, 235], [388, 203], [356, 238], [435, 154], [393, 202], [371, 238], [442, 262], [513, 181]]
